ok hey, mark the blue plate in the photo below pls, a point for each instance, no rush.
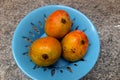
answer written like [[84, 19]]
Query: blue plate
[[32, 27]]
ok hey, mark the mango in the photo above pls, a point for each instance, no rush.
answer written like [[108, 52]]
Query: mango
[[45, 51], [75, 45], [58, 24]]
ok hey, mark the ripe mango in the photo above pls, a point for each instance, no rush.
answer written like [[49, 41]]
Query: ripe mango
[[45, 51], [58, 24], [75, 45]]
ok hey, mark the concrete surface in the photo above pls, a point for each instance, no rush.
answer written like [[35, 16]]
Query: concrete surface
[[105, 14]]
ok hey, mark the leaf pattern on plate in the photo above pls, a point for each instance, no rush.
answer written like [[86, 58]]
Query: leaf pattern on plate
[[69, 69], [53, 72]]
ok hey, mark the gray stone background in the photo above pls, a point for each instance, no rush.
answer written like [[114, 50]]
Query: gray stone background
[[105, 14]]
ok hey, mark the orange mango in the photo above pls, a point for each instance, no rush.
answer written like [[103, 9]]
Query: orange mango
[[45, 51], [58, 24], [75, 45]]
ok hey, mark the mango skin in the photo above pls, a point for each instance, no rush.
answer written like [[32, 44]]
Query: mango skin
[[45, 51], [58, 24], [75, 45]]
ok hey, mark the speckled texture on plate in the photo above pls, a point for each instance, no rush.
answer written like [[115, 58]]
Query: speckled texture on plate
[[105, 14]]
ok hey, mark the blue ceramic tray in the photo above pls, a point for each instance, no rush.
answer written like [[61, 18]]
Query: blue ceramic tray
[[31, 28]]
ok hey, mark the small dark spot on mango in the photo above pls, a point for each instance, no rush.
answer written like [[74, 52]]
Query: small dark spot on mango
[[45, 56], [63, 20], [73, 50], [82, 42]]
